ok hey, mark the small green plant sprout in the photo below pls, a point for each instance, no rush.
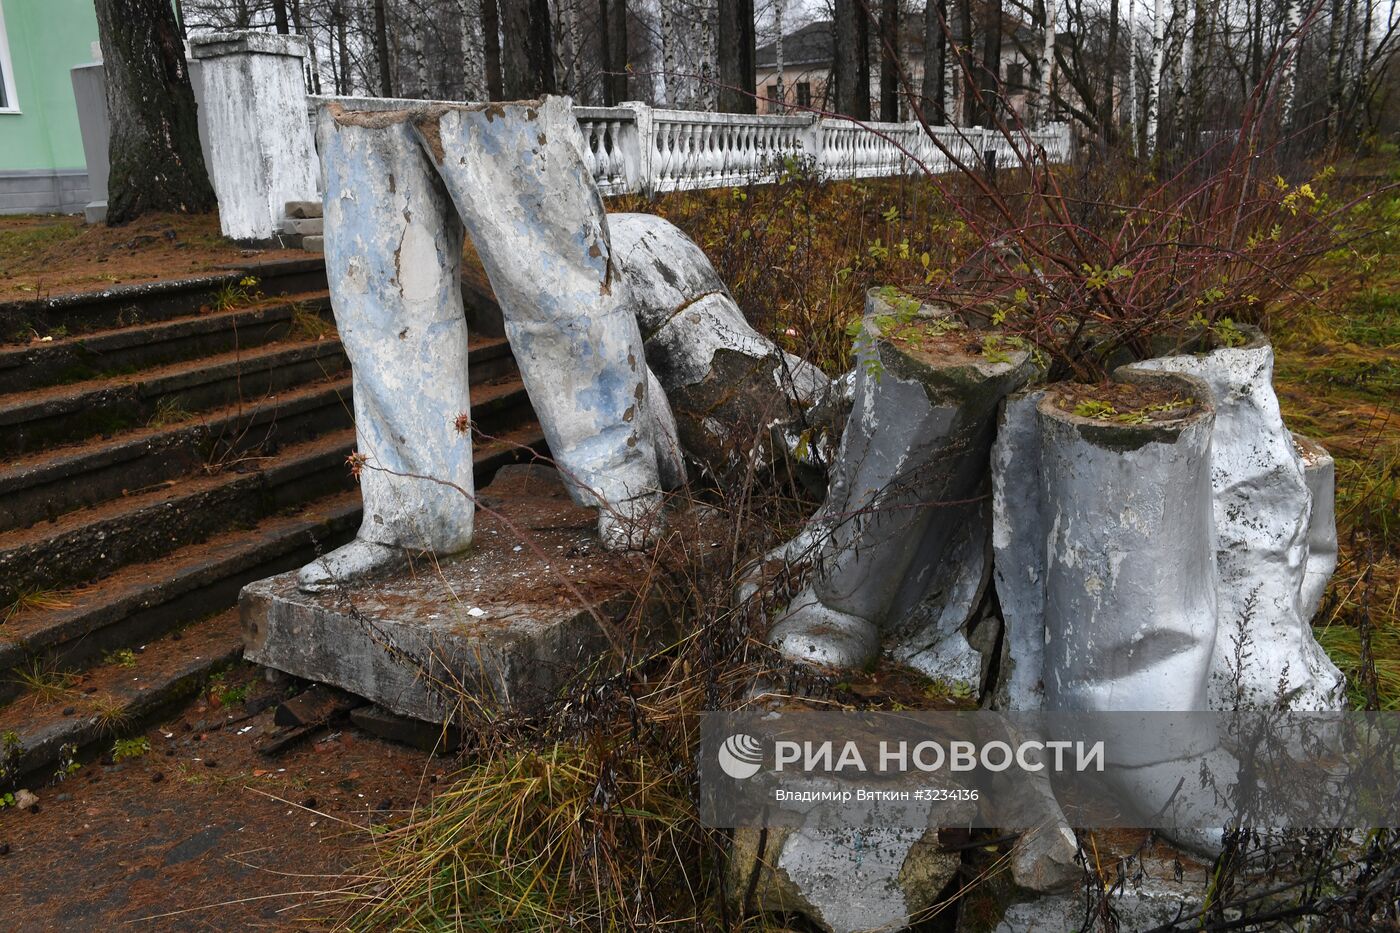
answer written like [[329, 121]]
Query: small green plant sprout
[[235, 294], [67, 762], [122, 657], [1093, 408], [124, 749], [994, 349], [1223, 332], [307, 324], [169, 411], [225, 694], [7, 800], [1096, 277]]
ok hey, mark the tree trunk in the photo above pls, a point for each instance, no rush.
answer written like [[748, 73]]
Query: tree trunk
[[1044, 85], [889, 61], [851, 68], [343, 84], [527, 53], [778, 75], [990, 72], [737, 76], [381, 47], [1201, 31], [612, 38], [935, 61], [966, 68], [156, 164], [491, 49], [1107, 111], [1176, 67], [1152, 104], [279, 16]]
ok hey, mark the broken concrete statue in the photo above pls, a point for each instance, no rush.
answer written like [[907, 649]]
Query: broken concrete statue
[[399, 186], [1267, 584], [898, 550], [730, 387]]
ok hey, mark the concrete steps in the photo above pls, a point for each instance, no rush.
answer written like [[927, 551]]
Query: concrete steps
[[155, 460], [107, 406], [127, 349]]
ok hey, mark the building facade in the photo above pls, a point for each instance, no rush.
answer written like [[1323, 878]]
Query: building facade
[[42, 168]]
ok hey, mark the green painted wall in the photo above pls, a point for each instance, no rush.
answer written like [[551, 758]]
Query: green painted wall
[[47, 37]]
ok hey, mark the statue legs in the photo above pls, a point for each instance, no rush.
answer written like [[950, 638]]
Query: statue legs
[[393, 260], [517, 177]]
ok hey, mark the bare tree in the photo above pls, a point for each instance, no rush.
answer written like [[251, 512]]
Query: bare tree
[[527, 49], [851, 59], [935, 61], [156, 164], [889, 60], [736, 57]]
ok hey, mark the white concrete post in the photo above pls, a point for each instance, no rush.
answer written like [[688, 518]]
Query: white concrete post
[[812, 141], [259, 149], [641, 149]]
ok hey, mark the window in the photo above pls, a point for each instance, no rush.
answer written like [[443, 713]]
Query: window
[[1015, 75], [770, 91], [804, 94], [8, 102]]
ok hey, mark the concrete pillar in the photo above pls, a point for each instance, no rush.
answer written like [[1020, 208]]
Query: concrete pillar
[[253, 105], [90, 94]]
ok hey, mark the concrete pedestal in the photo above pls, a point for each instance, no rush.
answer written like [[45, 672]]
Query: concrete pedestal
[[258, 146], [505, 626]]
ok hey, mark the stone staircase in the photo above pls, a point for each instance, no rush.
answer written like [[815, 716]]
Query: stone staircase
[[162, 446]]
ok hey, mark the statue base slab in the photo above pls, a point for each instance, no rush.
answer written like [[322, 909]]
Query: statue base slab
[[505, 626]]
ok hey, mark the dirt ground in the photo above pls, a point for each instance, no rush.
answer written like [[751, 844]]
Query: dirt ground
[[43, 255], [203, 832]]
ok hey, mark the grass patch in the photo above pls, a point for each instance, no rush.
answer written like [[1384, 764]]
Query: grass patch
[[33, 599], [516, 844]]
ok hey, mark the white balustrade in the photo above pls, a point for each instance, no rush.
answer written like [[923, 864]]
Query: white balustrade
[[635, 148]]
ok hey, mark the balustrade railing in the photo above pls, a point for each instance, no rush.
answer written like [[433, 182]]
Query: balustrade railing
[[635, 148]]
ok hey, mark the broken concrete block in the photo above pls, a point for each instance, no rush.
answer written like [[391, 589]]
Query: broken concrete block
[[531, 608], [302, 209], [311, 227], [313, 706], [423, 736], [1320, 470], [314, 244], [842, 880]]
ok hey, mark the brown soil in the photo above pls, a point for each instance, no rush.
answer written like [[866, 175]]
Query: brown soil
[[203, 832], [1127, 402], [41, 256]]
